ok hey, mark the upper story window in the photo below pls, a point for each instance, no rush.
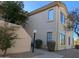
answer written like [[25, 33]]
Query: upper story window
[[62, 18], [51, 15]]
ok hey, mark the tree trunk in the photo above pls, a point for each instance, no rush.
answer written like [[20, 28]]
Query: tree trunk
[[4, 54]]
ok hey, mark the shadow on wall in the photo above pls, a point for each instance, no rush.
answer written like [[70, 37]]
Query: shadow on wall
[[21, 45]]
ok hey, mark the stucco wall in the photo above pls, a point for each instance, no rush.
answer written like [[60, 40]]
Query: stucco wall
[[61, 28], [41, 23], [21, 45]]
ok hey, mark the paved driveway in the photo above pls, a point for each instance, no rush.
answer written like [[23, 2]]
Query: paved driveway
[[42, 53], [66, 53], [47, 54], [69, 53], [39, 53]]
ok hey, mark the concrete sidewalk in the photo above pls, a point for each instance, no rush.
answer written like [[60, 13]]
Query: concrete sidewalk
[[46, 54]]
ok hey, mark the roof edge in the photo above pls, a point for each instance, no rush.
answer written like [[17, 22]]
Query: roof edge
[[50, 5]]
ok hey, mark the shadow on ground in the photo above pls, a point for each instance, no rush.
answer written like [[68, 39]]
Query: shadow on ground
[[69, 53]]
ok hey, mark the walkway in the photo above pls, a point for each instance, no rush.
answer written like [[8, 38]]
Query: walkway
[[46, 54], [39, 53], [69, 53], [42, 53]]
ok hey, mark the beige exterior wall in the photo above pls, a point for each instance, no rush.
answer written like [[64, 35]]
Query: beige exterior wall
[[21, 45], [62, 29], [41, 23]]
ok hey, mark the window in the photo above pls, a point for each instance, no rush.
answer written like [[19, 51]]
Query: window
[[51, 15], [62, 18], [49, 36], [69, 40], [62, 38]]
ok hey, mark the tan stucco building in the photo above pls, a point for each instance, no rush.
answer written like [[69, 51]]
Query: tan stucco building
[[49, 21]]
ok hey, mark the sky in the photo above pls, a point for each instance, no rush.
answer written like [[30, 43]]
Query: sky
[[33, 5]]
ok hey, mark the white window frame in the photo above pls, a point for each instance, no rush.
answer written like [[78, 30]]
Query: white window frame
[[51, 36], [63, 39], [62, 16], [53, 15]]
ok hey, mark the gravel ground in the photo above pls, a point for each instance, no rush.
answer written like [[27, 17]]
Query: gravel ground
[[69, 53], [66, 53], [22, 55], [39, 53], [47, 54]]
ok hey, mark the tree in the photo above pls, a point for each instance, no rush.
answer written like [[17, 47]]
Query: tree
[[73, 23], [76, 42], [13, 12], [7, 37]]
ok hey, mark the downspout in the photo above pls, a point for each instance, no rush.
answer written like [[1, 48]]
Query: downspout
[[65, 35], [57, 27]]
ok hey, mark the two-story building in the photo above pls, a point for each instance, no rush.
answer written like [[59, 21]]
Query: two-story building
[[49, 21]]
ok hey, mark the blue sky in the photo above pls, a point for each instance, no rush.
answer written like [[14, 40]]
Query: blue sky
[[32, 5]]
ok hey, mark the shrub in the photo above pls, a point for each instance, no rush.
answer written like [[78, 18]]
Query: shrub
[[7, 37], [38, 43], [77, 46], [51, 45]]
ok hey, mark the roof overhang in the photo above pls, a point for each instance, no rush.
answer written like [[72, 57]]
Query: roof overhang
[[50, 5]]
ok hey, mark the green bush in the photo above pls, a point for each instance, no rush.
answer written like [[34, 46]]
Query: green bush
[[38, 43], [7, 38], [51, 45]]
